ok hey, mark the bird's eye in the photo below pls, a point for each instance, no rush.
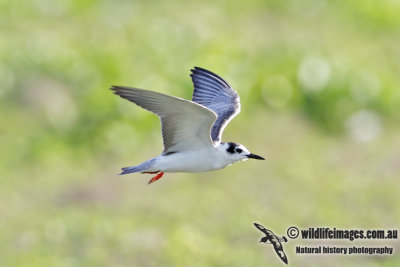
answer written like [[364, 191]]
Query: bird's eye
[[239, 150]]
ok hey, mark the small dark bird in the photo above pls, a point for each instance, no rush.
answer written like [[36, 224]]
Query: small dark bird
[[271, 238]]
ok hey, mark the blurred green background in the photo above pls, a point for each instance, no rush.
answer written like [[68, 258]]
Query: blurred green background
[[319, 85]]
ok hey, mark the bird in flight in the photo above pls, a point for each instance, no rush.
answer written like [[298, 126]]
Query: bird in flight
[[191, 130], [271, 238]]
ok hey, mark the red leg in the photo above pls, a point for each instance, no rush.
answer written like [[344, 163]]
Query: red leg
[[155, 178], [151, 172]]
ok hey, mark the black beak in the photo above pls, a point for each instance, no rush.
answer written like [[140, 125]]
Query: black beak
[[253, 156]]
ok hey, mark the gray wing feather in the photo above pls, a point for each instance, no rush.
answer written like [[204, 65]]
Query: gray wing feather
[[215, 93], [185, 125]]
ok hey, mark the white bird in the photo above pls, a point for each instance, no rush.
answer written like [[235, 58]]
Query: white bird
[[191, 130]]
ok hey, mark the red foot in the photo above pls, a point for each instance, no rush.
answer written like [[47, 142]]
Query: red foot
[[155, 178]]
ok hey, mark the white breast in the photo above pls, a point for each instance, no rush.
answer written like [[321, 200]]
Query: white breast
[[192, 161]]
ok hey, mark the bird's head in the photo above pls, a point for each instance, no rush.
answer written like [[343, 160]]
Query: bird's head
[[237, 152]]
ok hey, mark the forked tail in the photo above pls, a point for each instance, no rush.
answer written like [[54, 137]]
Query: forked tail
[[145, 166]]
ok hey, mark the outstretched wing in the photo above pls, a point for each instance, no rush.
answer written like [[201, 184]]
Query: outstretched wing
[[213, 92], [266, 231], [279, 250], [185, 125]]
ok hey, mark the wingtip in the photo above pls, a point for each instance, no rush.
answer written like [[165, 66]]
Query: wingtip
[[113, 88], [118, 90], [193, 70], [203, 71], [116, 87], [198, 69]]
